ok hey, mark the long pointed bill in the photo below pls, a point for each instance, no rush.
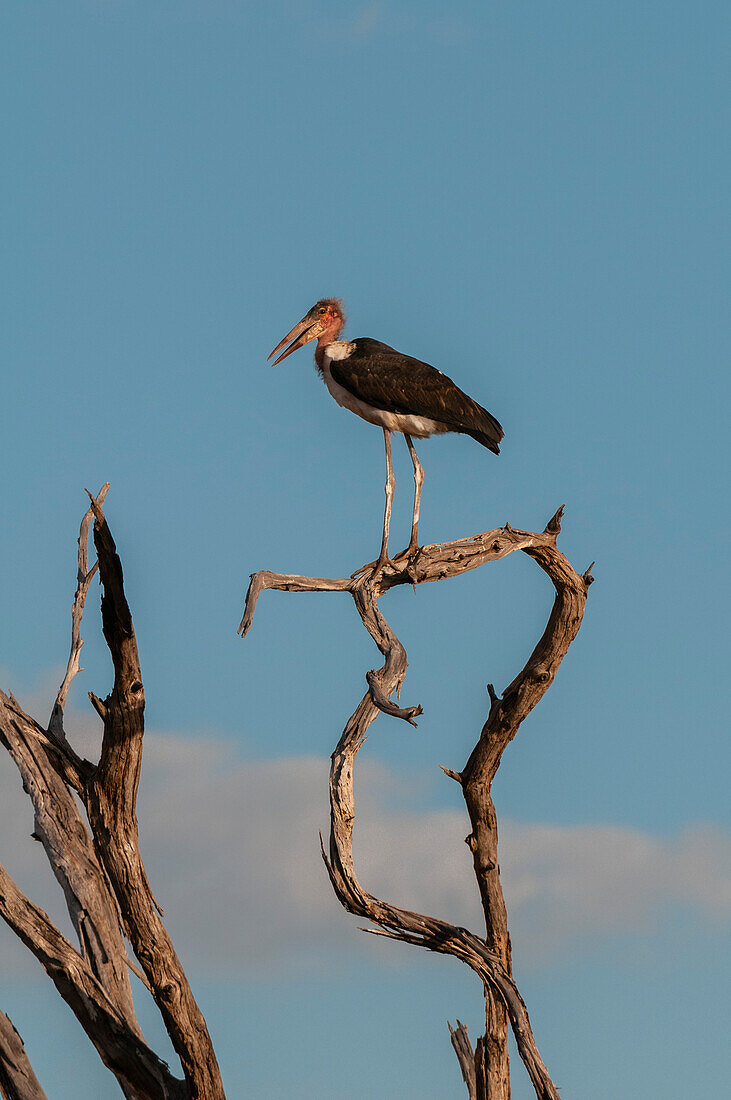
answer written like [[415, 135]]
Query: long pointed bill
[[300, 335]]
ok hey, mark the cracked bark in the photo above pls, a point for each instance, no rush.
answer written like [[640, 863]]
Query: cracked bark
[[99, 867], [111, 796], [485, 1069], [17, 1079]]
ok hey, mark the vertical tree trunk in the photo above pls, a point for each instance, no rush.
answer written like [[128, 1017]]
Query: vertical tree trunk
[[483, 841], [495, 1056], [100, 869]]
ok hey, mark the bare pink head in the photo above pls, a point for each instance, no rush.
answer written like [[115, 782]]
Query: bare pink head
[[323, 323]]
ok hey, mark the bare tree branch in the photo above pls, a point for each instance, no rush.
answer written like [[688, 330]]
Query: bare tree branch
[[102, 875], [17, 1079], [489, 958], [83, 580], [284, 582], [72, 768], [504, 719], [143, 1075], [465, 1057], [59, 827], [427, 563], [111, 797]]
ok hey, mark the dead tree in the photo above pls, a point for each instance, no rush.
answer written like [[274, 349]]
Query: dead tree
[[96, 860], [484, 1069]]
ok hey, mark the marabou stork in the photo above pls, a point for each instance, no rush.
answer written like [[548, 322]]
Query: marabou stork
[[394, 391]]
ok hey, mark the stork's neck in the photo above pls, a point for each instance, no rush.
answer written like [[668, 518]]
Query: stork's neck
[[329, 335]]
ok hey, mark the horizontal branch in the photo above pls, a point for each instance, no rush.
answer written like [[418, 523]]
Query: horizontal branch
[[285, 582], [438, 561], [443, 560]]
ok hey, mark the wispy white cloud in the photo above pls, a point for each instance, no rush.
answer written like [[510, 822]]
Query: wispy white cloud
[[232, 850], [569, 886]]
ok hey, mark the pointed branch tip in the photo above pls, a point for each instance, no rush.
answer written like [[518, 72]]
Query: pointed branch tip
[[452, 774], [98, 705], [553, 526], [380, 932]]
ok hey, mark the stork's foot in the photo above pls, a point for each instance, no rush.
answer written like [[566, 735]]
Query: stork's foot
[[406, 560], [401, 563], [381, 564], [375, 568], [409, 551]]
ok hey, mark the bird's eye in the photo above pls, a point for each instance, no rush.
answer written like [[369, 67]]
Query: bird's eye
[[322, 309]]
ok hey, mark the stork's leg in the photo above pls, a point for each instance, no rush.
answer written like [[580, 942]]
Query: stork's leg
[[418, 482], [390, 487]]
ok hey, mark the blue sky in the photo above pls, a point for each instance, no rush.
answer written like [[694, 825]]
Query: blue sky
[[533, 197]]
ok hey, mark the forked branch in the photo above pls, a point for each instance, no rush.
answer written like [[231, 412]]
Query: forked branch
[[111, 798], [489, 957], [99, 866]]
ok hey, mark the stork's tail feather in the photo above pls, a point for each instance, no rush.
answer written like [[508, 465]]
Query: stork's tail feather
[[486, 441], [487, 431]]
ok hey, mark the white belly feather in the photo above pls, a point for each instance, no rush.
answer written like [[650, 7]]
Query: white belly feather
[[418, 426]]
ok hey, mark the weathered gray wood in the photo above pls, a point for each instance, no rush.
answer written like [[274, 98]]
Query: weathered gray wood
[[465, 1056], [489, 957], [50, 770], [60, 829], [141, 1073], [17, 1079], [84, 578], [110, 798], [503, 721], [101, 871]]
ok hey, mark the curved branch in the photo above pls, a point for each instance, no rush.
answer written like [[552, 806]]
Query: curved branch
[[285, 582], [503, 721], [410, 927], [429, 563], [387, 705]]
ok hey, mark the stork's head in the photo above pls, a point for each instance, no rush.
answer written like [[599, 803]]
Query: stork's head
[[323, 322]]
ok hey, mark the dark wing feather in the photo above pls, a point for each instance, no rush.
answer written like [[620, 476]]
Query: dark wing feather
[[386, 379]]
